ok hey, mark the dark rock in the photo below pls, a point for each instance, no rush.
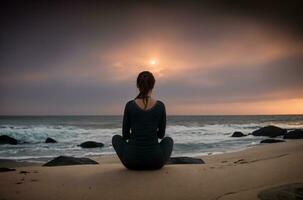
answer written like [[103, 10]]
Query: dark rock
[[293, 191], [238, 134], [184, 160], [50, 140], [271, 141], [4, 139], [91, 144], [295, 134], [269, 131], [24, 172], [5, 169], [68, 160]]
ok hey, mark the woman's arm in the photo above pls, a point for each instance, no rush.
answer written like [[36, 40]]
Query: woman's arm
[[162, 124], [126, 124]]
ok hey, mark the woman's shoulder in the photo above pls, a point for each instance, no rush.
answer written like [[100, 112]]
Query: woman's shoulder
[[160, 102], [129, 102]]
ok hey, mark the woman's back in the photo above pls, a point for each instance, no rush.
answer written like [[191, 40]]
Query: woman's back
[[144, 127]]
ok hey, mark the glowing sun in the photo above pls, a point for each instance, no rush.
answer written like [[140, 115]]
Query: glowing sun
[[152, 62]]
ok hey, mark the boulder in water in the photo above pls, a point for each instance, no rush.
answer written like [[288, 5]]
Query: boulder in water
[[271, 141], [238, 134], [68, 160], [295, 134], [269, 131], [5, 139], [91, 144], [184, 160], [50, 140]]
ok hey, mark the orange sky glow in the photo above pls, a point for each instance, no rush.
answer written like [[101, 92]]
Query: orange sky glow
[[205, 63]]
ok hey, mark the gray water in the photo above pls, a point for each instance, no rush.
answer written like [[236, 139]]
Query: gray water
[[193, 135]]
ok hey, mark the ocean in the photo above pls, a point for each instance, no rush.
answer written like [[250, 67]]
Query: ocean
[[193, 135]]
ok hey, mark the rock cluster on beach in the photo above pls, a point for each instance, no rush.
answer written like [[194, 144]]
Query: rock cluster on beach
[[273, 132], [5, 139]]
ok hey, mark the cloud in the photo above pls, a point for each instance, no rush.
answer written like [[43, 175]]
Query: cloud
[[279, 79], [84, 57]]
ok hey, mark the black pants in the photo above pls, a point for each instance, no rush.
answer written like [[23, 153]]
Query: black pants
[[146, 157]]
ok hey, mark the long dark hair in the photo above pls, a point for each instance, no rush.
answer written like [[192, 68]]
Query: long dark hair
[[145, 82]]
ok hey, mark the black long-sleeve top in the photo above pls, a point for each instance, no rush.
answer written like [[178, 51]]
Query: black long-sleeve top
[[144, 127]]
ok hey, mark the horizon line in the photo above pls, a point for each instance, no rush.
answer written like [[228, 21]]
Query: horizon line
[[172, 115]]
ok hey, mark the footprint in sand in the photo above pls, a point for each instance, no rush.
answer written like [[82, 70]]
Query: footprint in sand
[[241, 161]]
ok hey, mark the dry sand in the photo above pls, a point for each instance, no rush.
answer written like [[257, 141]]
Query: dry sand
[[239, 175]]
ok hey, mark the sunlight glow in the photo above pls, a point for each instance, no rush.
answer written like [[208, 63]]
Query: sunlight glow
[[153, 62]]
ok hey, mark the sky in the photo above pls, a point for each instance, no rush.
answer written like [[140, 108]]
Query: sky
[[208, 57]]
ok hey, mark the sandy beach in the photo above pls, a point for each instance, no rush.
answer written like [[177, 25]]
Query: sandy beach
[[212, 91], [237, 175]]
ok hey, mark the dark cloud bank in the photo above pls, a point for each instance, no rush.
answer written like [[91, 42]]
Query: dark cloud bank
[[41, 40]]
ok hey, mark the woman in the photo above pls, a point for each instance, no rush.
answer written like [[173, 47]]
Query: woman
[[144, 121]]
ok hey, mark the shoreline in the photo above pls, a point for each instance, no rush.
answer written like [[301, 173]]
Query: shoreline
[[108, 158], [15, 163], [235, 175]]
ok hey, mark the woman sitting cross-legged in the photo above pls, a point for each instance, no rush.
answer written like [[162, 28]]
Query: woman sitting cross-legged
[[144, 121]]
